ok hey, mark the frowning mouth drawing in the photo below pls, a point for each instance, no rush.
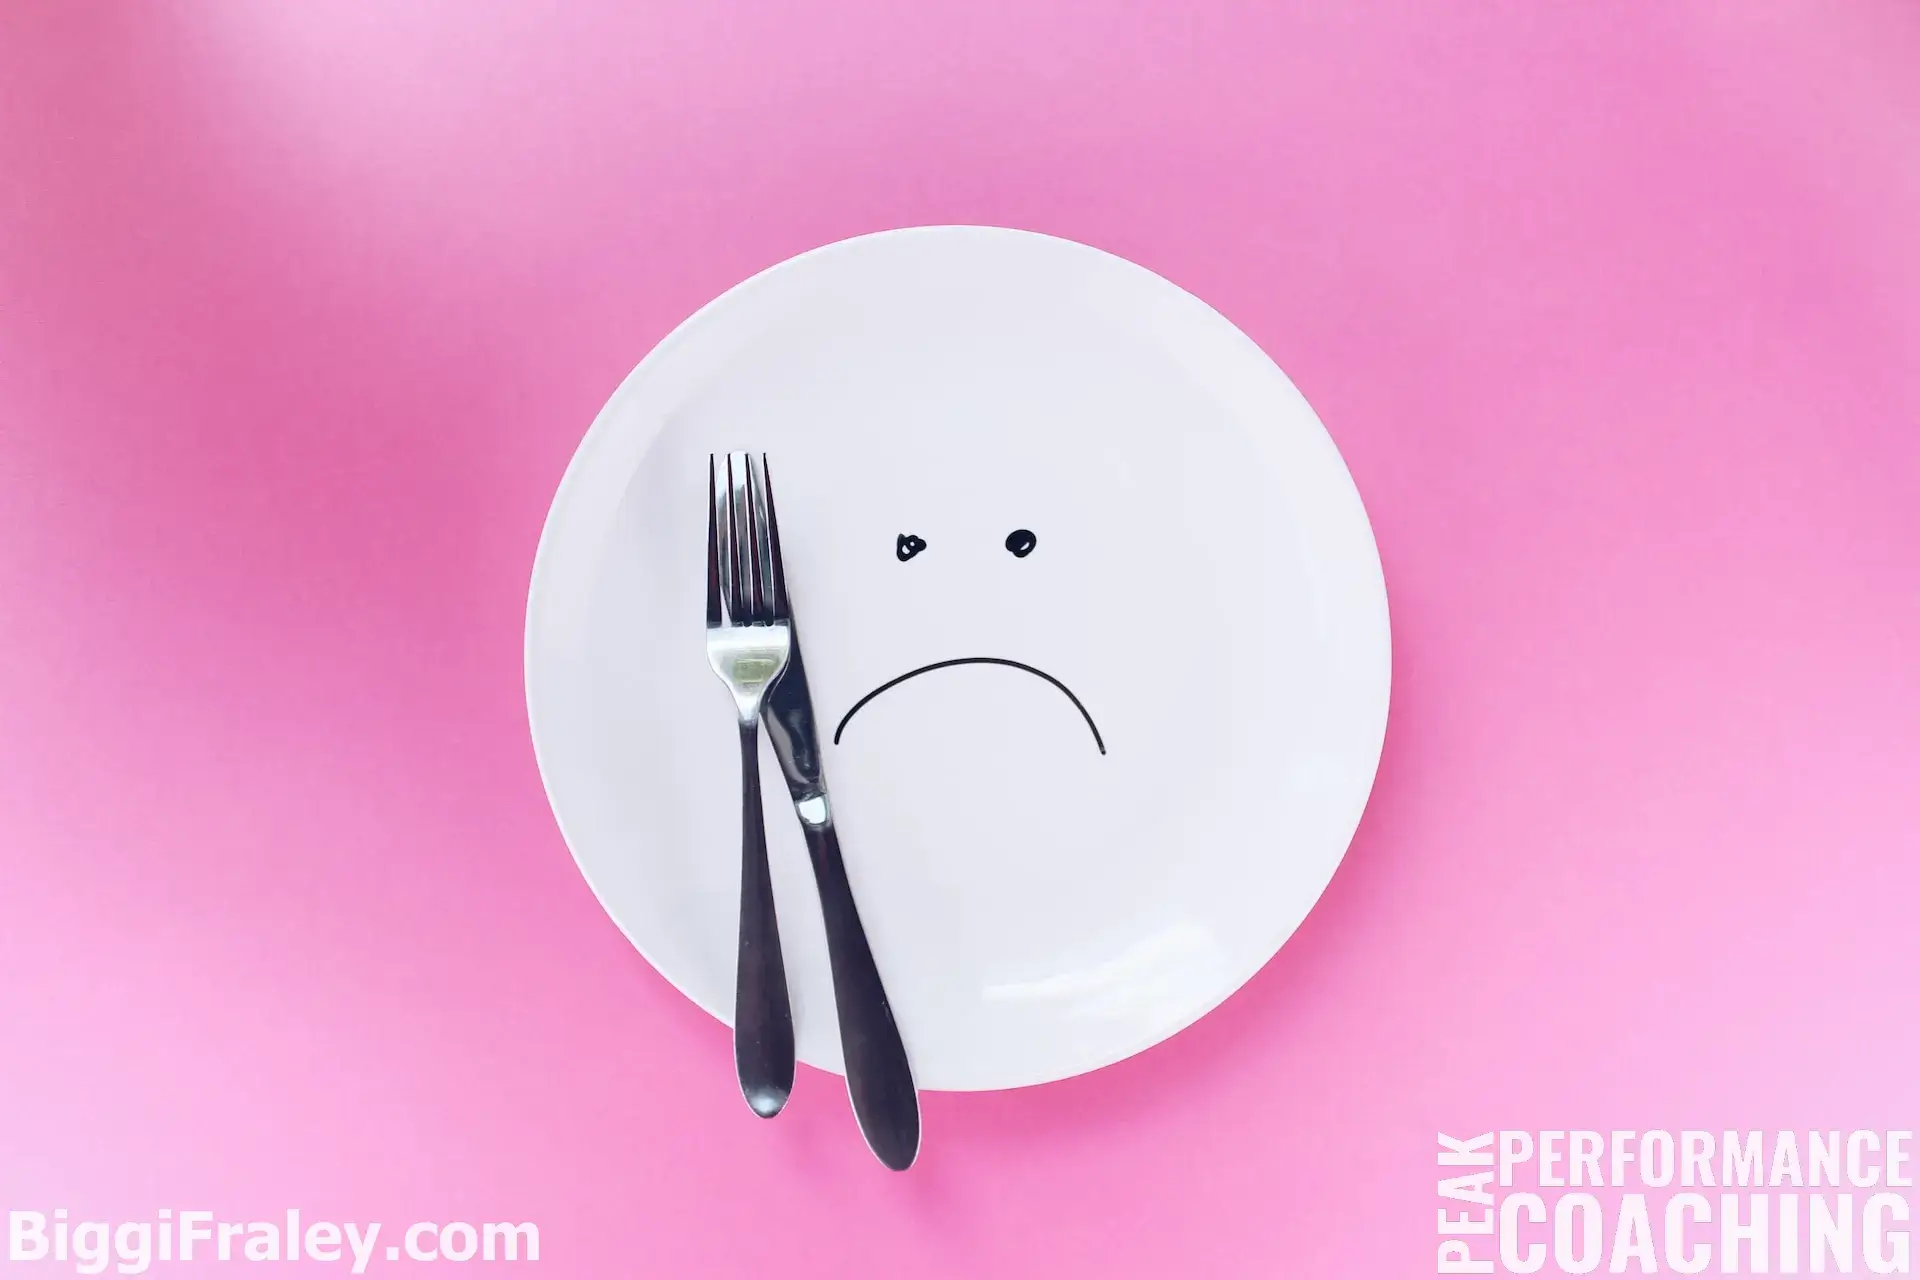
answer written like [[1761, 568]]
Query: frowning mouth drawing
[[1055, 681]]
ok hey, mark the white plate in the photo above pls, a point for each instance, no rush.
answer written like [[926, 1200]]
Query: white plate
[[1203, 579]]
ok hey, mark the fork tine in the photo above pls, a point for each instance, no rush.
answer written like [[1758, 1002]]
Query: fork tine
[[730, 548], [777, 567], [755, 518], [729, 563], [745, 602], [768, 567], [714, 615]]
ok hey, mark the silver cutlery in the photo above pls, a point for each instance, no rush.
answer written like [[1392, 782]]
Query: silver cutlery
[[749, 644], [879, 1078]]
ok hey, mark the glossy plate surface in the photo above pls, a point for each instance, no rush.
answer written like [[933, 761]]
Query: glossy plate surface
[[985, 444]]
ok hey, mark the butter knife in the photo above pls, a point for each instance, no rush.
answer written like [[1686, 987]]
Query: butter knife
[[879, 1080]]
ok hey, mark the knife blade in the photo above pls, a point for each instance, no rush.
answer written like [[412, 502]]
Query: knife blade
[[879, 1077]]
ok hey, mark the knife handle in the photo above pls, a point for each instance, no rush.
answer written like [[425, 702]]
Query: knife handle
[[762, 1014], [879, 1080]]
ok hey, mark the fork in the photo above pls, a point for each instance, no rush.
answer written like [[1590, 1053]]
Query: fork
[[749, 639]]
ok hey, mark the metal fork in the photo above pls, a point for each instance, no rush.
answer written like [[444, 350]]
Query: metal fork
[[749, 639]]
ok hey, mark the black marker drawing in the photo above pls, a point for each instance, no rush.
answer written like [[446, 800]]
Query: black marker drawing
[[1098, 741], [1021, 542], [907, 546]]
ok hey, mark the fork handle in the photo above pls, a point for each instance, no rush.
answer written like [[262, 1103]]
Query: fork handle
[[879, 1079], [762, 1015]]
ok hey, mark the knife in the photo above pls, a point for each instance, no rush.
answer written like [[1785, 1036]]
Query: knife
[[879, 1080]]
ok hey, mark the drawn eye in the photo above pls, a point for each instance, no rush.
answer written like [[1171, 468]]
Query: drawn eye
[[1020, 542], [907, 546]]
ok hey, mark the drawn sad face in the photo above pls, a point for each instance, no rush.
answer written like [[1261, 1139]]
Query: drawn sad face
[[1020, 544]]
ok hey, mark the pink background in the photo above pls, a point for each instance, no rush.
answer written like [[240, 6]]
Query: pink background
[[1613, 309]]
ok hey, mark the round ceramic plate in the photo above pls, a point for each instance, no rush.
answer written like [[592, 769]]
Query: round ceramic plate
[[986, 444]]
